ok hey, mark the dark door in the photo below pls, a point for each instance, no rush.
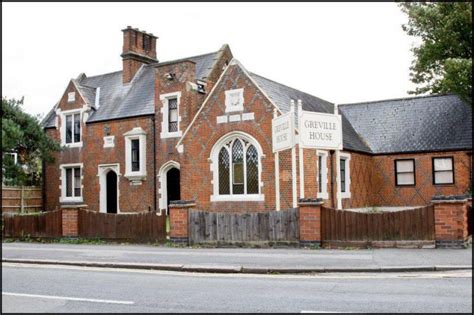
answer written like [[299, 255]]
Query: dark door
[[173, 186], [111, 192]]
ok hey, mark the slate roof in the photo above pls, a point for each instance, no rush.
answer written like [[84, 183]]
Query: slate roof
[[282, 95], [119, 100], [426, 123]]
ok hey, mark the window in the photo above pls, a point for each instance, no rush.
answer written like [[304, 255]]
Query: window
[[170, 112], [173, 114], [71, 97], [344, 175], [443, 170], [234, 100], [322, 175], [405, 172], [71, 182], [135, 154], [236, 167], [71, 128]]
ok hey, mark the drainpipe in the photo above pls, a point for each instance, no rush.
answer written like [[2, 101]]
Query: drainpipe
[[154, 163]]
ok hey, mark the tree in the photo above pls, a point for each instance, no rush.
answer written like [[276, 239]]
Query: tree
[[443, 60], [23, 140]]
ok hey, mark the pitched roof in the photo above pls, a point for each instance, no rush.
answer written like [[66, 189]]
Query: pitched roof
[[118, 100], [282, 95], [426, 123]]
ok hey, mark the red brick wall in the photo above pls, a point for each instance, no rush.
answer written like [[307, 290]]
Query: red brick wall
[[450, 220], [70, 222], [179, 221], [310, 222], [131, 197], [195, 167], [385, 193]]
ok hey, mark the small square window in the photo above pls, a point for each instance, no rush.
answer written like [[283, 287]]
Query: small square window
[[71, 97]]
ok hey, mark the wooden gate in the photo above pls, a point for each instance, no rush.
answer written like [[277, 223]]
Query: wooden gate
[[340, 225], [233, 228], [145, 226], [45, 224]]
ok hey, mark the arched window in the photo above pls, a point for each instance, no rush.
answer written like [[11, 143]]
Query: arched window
[[236, 161]]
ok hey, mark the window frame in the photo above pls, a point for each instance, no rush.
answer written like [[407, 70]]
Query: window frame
[[347, 178], [165, 132], [64, 115], [63, 169], [222, 143], [396, 172], [324, 176], [139, 134], [433, 171]]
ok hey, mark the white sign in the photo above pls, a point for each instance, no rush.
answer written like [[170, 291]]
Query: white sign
[[283, 132], [109, 142], [320, 131]]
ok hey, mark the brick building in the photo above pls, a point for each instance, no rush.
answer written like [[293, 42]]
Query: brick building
[[199, 128]]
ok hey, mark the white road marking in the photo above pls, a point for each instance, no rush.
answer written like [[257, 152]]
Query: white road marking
[[68, 298]]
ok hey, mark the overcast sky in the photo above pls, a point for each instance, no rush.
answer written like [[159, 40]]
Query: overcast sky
[[341, 52]]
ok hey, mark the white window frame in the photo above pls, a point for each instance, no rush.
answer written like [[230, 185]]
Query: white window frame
[[140, 134], [347, 158], [63, 127], [71, 97], [215, 169], [229, 108], [164, 98], [63, 197], [324, 174], [435, 171]]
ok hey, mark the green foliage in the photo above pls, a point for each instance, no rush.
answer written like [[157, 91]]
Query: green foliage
[[23, 134], [443, 60]]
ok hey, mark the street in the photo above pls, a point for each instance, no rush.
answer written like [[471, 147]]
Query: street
[[45, 288]]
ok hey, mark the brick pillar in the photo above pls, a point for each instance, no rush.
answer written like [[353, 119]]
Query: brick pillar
[[179, 211], [70, 220], [310, 221], [450, 213]]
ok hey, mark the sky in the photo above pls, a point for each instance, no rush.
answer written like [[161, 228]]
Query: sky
[[340, 52]]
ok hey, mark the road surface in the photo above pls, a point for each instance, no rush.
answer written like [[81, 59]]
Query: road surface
[[37, 288]]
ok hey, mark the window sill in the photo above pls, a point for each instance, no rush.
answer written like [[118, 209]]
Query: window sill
[[345, 195], [73, 145], [217, 198], [165, 135], [323, 195], [70, 199]]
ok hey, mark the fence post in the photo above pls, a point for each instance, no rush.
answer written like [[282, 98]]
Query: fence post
[[22, 199], [179, 216], [310, 221], [450, 214]]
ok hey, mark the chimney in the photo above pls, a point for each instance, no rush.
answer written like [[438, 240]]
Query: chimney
[[139, 47]]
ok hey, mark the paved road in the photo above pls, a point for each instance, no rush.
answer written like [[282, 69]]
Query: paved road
[[28, 288], [275, 258]]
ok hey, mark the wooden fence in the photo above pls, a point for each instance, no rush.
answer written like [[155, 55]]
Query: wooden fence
[[340, 225], [228, 228], [145, 226], [46, 224], [21, 199]]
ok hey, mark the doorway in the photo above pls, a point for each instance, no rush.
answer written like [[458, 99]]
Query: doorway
[[173, 188], [111, 192]]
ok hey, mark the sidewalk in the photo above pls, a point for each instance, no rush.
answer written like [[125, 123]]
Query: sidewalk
[[233, 260]]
